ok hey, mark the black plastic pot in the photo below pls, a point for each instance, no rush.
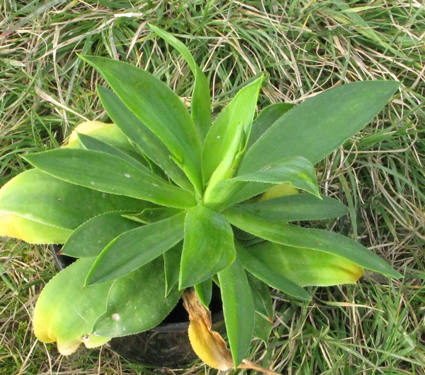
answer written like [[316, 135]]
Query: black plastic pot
[[166, 345]]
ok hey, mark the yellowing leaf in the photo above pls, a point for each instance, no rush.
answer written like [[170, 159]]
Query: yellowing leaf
[[109, 133], [31, 231], [208, 344], [65, 311]]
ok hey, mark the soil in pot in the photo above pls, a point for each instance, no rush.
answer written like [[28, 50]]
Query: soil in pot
[[166, 345]]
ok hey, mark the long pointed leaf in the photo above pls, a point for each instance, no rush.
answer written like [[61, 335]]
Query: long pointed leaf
[[145, 139], [320, 125], [306, 266], [271, 277], [328, 242], [267, 117], [201, 101], [109, 174], [208, 246], [136, 248], [295, 208], [159, 108], [238, 309]]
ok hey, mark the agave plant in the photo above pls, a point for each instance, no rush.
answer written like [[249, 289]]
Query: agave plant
[[164, 199]]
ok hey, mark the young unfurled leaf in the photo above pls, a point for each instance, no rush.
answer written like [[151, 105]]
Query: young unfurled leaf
[[159, 108], [135, 248], [218, 147], [109, 174], [208, 246]]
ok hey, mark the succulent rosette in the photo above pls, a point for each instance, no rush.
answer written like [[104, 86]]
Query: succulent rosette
[[164, 199]]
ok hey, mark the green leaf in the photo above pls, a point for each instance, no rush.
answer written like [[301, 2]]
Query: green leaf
[[172, 266], [204, 291], [89, 239], [201, 101], [266, 274], [267, 117], [295, 208], [136, 248], [66, 312], [262, 297], [159, 108], [92, 143], [144, 138], [306, 266], [238, 309], [262, 328], [136, 302], [320, 125], [219, 153], [315, 239], [152, 215], [110, 174], [42, 199], [208, 246]]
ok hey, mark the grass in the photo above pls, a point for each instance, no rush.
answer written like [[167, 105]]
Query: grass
[[305, 47]]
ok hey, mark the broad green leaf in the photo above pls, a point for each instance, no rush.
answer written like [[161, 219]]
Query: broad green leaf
[[135, 248], [204, 291], [41, 199], [265, 119], [201, 101], [145, 139], [89, 239], [306, 266], [219, 154], [152, 215], [159, 108], [136, 302], [90, 143], [66, 311], [320, 125], [110, 174], [295, 208], [315, 239], [266, 274], [297, 171], [172, 266], [208, 246], [238, 309]]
